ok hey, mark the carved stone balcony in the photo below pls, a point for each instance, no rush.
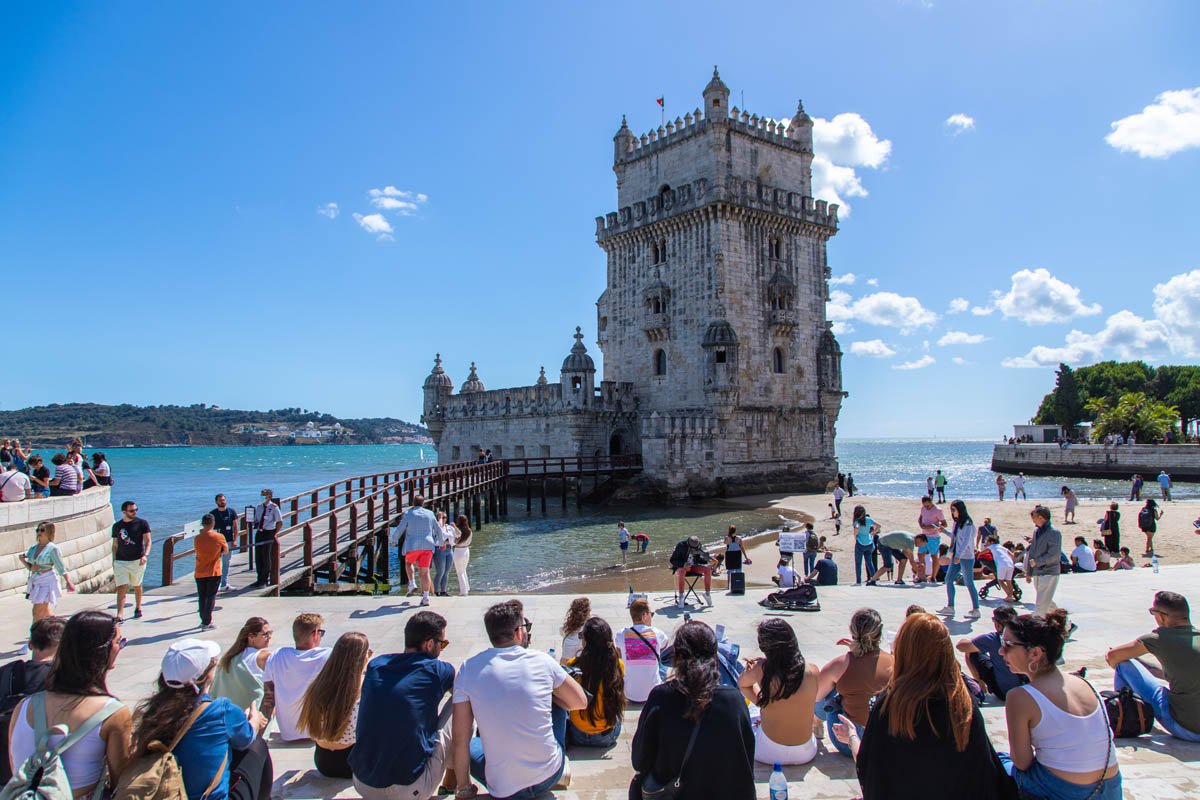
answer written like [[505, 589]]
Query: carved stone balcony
[[784, 319], [657, 326]]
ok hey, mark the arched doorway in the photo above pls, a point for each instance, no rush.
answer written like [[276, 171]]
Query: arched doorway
[[616, 445]]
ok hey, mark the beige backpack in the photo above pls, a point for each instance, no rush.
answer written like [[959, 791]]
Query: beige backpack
[[156, 775]]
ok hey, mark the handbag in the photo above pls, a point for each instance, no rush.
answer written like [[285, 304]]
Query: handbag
[[671, 790], [1128, 714]]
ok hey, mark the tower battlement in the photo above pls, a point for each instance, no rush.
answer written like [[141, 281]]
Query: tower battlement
[[693, 123]]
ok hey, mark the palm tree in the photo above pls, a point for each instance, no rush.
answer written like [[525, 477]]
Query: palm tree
[[1134, 413]]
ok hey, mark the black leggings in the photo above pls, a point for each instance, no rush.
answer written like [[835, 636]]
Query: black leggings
[[333, 763], [251, 772]]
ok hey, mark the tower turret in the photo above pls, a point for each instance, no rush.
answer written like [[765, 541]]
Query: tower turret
[[801, 127], [624, 141], [437, 390], [578, 374], [472, 383], [716, 98]]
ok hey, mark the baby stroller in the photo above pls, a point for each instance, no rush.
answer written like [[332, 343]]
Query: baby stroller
[[993, 583]]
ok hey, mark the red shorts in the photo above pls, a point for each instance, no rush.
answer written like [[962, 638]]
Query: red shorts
[[422, 558]]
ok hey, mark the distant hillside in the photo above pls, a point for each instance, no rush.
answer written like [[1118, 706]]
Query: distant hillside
[[200, 424]]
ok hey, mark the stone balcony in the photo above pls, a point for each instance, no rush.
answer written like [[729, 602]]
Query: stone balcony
[[784, 318], [656, 326]]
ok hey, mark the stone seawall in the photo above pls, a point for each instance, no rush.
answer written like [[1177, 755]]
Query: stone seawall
[[1181, 461], [83, 530]]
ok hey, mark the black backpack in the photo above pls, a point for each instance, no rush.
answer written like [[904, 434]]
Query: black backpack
[[1146, 520], [1128, 714], [12, 692]]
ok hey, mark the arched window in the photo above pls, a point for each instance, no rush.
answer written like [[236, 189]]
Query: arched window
[[777, 360], [660, 362], [576, 383]]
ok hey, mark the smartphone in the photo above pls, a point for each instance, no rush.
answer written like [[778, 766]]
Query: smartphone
[[720, 633]]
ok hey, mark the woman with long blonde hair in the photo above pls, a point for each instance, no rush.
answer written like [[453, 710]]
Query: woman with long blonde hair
[[924, 723], [239, 674], [329, 710]]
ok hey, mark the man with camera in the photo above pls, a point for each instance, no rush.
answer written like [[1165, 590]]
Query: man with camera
[[689, 558]]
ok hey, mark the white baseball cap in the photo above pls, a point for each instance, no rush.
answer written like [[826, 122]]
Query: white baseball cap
[[186, 660]]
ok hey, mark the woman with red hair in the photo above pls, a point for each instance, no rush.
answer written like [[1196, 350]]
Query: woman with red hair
[[924, 723]]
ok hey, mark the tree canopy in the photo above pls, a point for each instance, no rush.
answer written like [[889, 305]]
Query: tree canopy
[[1090, 391]]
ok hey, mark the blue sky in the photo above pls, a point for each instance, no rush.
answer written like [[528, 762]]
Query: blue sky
[[163, 169]]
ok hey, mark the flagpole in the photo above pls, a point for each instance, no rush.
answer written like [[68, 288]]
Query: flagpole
[[662, 107]]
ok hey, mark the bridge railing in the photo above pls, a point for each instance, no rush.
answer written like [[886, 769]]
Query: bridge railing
[[550, 466]]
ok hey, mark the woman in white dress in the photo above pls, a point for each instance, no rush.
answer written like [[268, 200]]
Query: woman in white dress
[[45, 564], [462, 552]]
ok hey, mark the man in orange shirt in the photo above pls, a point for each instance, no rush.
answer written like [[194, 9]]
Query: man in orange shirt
[[210, 545]]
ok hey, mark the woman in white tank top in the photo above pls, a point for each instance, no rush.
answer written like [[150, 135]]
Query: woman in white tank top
[[75, 691], [1062, 747]]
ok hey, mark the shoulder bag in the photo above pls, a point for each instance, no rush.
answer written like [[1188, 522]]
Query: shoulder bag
[[673, 789]]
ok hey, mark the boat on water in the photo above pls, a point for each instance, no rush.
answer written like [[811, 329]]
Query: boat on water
[[83, 531]]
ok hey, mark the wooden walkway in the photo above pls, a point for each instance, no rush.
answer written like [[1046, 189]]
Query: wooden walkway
[[335, 537]]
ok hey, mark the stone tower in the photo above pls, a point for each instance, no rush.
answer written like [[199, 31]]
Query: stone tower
[[437, 390], [715, 303]]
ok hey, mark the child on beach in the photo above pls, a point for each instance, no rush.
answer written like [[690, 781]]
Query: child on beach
[[623, 541], [210, 546]]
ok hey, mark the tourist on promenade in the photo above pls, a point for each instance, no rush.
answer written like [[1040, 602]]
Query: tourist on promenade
[[1058, 732], [689, 558], [329, 708], [1135, 487], [1148, 519], [851, 486], [939, 485], [290, 670], [1102, 555], [733, 550], [101, 470], [240, 671], [839, 494], [1019, 487], [864, 543], [66, 480], [39, 477], [640, 646], [1125, 561], [1043, 559], [602, 676], [443, 556], [825, 571], [932, 521], [695, 729], [1082, 557], [984, 660], [578, 613], [925, 724], [929, 486], [462, 552], [1110, 528], [895, 546], [519, 698], [403, 744], [962, 560], [23, 678], [225, 520], [14, 485], [78, 699], [268, 522], [811, 551], [1001, 484], [849, 682], [220, 753], [210, 548], [784, 687], [421, 533], [1069, 507], [1175, 642], [130, 548], [623, 542], [45, 565], [1164, 485]]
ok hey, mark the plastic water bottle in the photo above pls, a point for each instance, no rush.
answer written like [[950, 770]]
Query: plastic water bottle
[[554, 655], [778, 783], [1154, 562]]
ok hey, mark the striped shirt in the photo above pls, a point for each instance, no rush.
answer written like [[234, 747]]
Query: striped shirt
[[68, 478]]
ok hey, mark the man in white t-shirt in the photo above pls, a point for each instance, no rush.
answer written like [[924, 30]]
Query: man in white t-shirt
[[289, 672], [641, 648], [1082, 557], [14, 485], [1019, 486], [519, 698]]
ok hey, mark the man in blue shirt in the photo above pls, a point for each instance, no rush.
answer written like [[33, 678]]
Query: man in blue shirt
[[982, 654], [825, 572], [422, 534], [402, 744]]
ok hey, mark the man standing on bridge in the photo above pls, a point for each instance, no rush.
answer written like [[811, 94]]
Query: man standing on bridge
[[268, 521], [422, 534]]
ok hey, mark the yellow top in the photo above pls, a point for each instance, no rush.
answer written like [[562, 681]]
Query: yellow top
[[581, 720]]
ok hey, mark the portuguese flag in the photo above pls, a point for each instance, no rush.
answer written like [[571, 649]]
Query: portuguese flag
[[660, 101]]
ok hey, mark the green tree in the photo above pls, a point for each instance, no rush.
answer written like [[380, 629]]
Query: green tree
[[1133, 413], [1067, 406], [1110, 380], [1179, 386]]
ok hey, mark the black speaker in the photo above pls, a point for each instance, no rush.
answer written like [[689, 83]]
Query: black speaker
[[737, 582]]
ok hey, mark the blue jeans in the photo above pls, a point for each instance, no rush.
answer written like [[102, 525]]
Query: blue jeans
[[810, 562], [830, 708], [558, 719], [225, 569], [1134, 674], [582, 739], [1039, 782], [966, 568], [862, 558], [443, 565]]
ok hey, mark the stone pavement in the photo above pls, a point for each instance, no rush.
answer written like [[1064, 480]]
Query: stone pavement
[[1109, 608]]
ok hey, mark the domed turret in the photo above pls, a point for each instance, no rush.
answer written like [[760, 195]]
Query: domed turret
[[472, 383], [541, 381], [579, 360], [624, 141], [716, 97], [720, 334], [437, 390], [578, 375], [438, 379], [801, 127]]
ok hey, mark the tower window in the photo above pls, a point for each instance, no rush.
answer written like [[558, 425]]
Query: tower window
[[654, 255], [716, 102], [720, 355], [775, 248], [660, 362], [777, 360], [576, 383]]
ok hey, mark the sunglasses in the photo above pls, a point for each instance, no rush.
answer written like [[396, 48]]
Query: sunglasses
[[321, 631], [444, 643], [527, 625], [1007, 645]]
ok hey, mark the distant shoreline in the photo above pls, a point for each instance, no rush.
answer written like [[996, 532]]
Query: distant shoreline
[[89, 446]]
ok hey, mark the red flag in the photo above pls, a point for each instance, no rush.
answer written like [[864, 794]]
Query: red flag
[[660, 101]]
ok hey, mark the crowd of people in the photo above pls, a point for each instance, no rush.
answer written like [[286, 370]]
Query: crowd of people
[[25, 476]]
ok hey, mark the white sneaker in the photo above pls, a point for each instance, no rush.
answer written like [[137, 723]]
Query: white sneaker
[[947, 611], [680, 604], [972, 614], [708, 599], [857, 584], [412, 592], [425, 599]]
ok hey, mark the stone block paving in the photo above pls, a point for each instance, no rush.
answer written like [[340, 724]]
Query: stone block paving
[[1110, 608]]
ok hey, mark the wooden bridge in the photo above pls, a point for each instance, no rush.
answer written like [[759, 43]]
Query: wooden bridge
[[335, 537]]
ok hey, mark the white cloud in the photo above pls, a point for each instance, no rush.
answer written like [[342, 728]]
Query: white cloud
[[960, 123], [375, 223], [330, 210], [1125, 336], [959, 360], [872, 281], [404, 207], [958, 305], [843, 280], [841, 328], [960, 337], [891, 310], [841, 145], [920, 363], [1036, 298], [982, 311], [404, 203], [1168, 126], [872, 348], [1177, 305]]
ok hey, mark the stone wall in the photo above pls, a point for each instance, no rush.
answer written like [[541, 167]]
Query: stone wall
[[83, 530], [1182, 462]]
